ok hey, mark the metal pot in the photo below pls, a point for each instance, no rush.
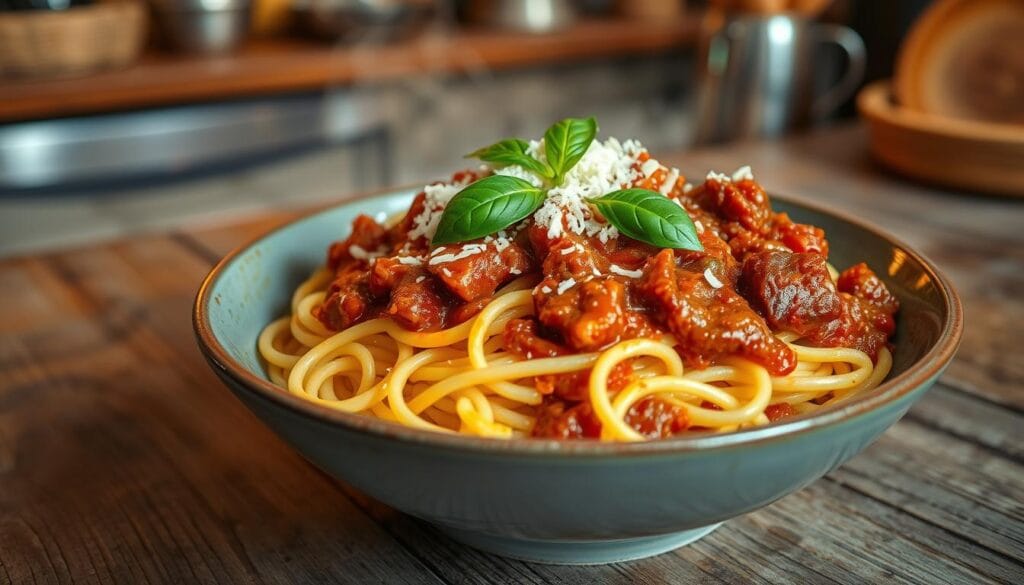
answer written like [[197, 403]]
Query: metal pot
[[366, 19], [203, 26]]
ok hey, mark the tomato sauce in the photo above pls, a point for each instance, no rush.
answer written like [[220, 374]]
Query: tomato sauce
[[759, 273]]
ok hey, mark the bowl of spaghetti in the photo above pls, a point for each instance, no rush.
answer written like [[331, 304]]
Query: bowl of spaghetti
[[570, 353]]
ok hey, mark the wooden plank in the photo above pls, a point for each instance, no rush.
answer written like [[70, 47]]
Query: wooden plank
[[957, 486], [965, 417], [290, 65], [976, 240], [125, 461]]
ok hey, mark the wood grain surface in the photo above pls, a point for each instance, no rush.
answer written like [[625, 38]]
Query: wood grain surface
[[290, 65], [123, 460]]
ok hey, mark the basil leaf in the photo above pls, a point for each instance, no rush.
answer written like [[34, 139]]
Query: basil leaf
[[485, 207], [512, 151], [566, 142], [650, 217]]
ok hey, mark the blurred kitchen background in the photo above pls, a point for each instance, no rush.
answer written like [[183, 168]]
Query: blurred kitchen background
[[125, 116]]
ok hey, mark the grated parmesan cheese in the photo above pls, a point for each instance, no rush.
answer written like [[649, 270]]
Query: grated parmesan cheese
[[357, 252], [566, 285], [742, 174], [616, 269], [420, 279], [605, 167], [670, 182], [650, 167], [545, 289], [446, 272], [515, 271], [436, 197], [410, 260], [720, 177], [467, 251], [712, 279]]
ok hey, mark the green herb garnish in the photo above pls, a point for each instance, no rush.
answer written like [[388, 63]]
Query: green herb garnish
[[512, 151], [650, 217], [485, 207], [496, 202], [566, 142]]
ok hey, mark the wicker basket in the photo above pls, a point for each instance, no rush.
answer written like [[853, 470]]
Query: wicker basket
[[74, 41]]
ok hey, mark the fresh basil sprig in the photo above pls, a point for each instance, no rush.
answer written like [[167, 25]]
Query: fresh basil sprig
[[650, 217], [566, 142], [496, 202], [485, 207], [512, 151]]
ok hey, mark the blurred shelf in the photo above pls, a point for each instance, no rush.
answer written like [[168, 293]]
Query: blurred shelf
[[285, 65]]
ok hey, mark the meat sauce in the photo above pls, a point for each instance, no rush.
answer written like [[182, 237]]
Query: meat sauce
[[759, 273]]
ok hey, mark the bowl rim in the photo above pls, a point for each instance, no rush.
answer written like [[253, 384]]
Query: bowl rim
[[919, 373]]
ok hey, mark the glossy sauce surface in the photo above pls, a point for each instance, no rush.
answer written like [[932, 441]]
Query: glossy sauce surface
[[759, 273]]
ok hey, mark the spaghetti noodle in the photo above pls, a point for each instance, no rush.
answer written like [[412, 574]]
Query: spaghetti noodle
[[613, 340]]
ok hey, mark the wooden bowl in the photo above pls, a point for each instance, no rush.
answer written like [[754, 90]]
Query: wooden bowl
[[964, 154], [965, 59]]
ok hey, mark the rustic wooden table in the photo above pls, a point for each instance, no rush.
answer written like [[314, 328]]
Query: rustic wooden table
[[123, 460]]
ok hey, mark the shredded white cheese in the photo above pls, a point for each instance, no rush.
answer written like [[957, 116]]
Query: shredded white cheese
[[743, 173], [436, 198], [446, 272], [712, 279], [650, 167], [466, 251], [410, 260], [605, 167], [616, 269], [357, 252], [545, 289], [687, 187], [670, 182], [515, 271], [566, 285], [716, 176], [420, 279]]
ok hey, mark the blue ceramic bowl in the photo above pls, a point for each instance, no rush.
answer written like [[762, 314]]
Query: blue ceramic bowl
[[568, 502]]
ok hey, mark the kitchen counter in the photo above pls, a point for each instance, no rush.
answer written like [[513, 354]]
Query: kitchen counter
[[123, 459]]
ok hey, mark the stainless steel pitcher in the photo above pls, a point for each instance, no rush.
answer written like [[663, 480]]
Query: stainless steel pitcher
[[757, 76]]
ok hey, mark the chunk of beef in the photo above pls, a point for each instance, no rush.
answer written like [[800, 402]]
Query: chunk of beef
[[417, 305], [562, 420], [861, 282], [744, 202], [348, 299], [657, 419], [479, 275], [710, 323], [793, 292], [367, 235], [591, 315], [861, 325]]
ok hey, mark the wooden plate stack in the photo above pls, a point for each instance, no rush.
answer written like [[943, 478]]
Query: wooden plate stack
[[954, 113]]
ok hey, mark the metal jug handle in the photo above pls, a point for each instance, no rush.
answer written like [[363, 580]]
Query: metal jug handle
[[850, 42]]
